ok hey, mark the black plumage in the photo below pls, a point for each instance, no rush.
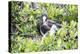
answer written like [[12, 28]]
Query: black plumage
[[45, 25]]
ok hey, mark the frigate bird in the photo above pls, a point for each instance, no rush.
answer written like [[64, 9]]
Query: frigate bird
[[46, 25]]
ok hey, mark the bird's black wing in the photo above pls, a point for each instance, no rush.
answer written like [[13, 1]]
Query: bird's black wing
[[50, 23], [44, 29]]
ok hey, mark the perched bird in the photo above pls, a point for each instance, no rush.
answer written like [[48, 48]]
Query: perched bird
[[46, 25]]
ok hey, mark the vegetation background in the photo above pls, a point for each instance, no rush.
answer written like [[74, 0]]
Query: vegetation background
[[24, 20]]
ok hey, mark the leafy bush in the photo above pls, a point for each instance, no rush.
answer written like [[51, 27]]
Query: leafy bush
[[25, 20]]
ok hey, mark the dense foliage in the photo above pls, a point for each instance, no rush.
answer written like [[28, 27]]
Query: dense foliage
[[24, 20]]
